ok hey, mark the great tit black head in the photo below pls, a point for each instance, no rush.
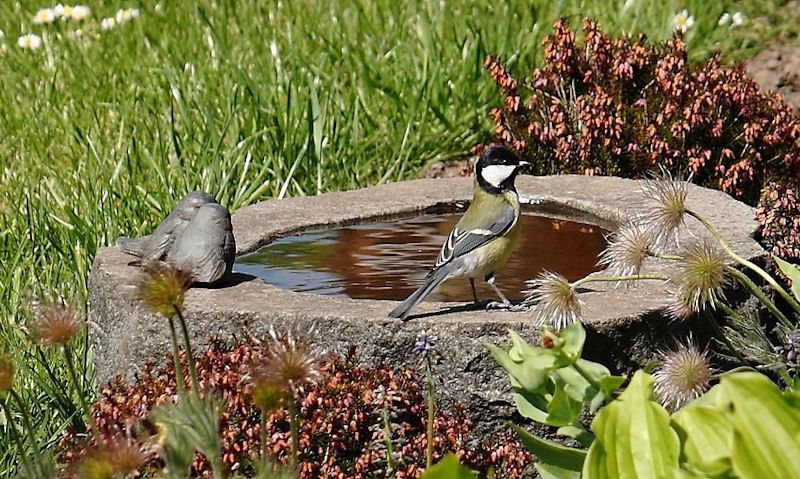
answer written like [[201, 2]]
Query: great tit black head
[[497, 169]]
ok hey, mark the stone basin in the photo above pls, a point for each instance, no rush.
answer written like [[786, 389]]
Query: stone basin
[[625, 325]]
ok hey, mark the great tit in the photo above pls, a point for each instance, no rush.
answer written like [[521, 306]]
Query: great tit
[[483, 239]]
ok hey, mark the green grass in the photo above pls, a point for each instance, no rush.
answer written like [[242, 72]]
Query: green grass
[[101, 134]]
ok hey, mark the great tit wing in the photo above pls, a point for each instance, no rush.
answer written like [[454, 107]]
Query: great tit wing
[[461, 242]]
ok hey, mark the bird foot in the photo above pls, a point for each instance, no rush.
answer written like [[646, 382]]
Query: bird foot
[[498, 305]]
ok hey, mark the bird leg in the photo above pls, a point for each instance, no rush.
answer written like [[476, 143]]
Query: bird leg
[[474, 294], [504, 303]]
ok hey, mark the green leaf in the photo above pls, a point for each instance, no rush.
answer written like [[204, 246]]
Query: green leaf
[[531, 405], [449, 468], [578, 433], [633, 437], [706, 435], [562, 408], [574, 336], [549, 471], [519, 348], [553, 455], [531, 373], [766, 427], [792, 271]]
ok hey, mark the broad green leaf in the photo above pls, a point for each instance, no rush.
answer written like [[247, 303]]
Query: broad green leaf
[[766, 427], [531, 373], [633, 437], [792, 271], [578, 433], [573, 335], [706, 435], [562, 409], [531, 405], [449, 468], [549, 471], [519, 348], [547, 452]]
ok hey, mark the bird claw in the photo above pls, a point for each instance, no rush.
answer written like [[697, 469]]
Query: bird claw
[[519, 308]]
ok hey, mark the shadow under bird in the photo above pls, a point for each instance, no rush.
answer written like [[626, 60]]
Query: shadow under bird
[[196, 238], [484, 237]]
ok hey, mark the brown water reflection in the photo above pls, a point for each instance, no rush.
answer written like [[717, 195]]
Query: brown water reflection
[[389, 260]]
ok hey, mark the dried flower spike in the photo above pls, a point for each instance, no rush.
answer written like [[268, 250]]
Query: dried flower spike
[[682, 375], [162, 288], [6, 374], [700, 279], [627, 249], [557, 302], [57, 324]]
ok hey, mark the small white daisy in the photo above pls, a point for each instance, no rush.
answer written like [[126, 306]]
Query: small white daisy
[[683, 21], [738, 19], [30, 41], [108, 23], [62, 11], [45, 15], [127, 14], [80, 12], [724, 19]]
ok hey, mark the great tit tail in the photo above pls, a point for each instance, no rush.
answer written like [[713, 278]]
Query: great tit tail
[[417, 296], [132, 246]]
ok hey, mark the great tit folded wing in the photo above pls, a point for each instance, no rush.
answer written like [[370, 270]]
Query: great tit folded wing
[[461, 242]]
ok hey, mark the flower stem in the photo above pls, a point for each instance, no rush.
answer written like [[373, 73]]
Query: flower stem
[[176, 357], [87, 411], [749, 284], [586, 376], [26, 422], [744, 262], [189, 354], [431, 411], [295, 430], [26, 465], [263, 434], [631, 277], [387, 437]]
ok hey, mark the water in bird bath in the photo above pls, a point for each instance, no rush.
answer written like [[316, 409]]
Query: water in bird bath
[[388, 260]]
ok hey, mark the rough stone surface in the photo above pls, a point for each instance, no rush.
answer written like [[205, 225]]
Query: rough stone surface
[[777, 69], [625, 324]]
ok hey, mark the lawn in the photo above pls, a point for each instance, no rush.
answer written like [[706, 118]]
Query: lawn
[[103, 129]]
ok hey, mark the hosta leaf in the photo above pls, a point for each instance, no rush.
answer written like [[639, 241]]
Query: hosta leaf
[[706, 435], [633, 437], [766, 427]]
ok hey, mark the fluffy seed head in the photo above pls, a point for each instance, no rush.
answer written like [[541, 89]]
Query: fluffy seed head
[[669, 210], [162, 288], [289, 360], [626, 250], [700, 279], [57, 324], [6, 374], [682, 375], [115, 459], [557, 302]]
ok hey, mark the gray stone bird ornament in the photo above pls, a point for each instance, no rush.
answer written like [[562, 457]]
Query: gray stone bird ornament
[[206, 248], [196, 238], [154, 247]]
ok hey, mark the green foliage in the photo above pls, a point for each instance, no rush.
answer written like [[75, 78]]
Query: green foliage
[[191, 425], [743, 427], [791, 271], [449, 468]]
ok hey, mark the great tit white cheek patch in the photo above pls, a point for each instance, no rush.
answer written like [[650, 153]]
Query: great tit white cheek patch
[[496, 174]]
